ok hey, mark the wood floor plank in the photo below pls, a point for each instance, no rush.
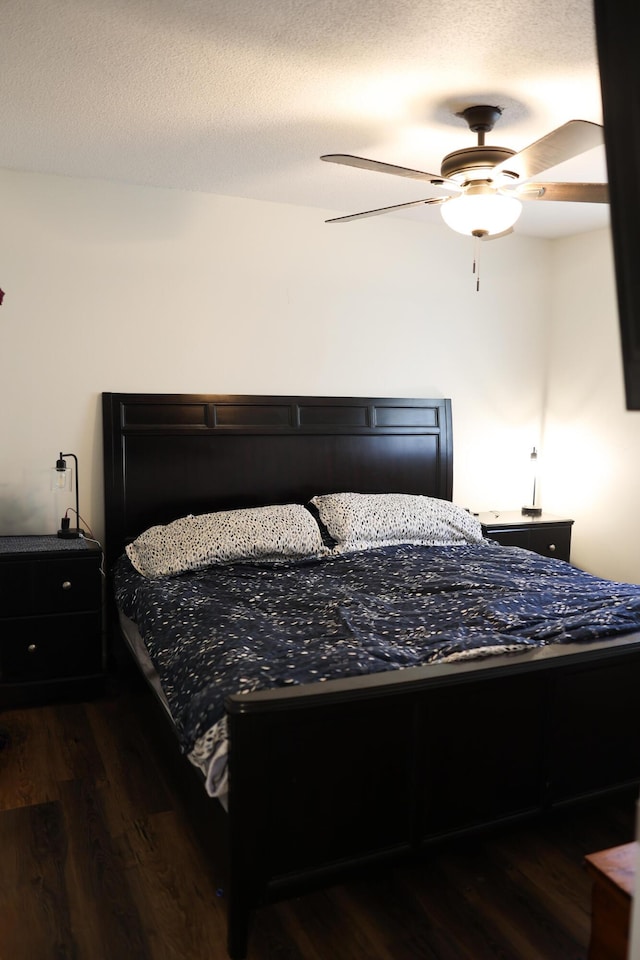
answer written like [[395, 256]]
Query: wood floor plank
[[325, 920], [545, 873], [518, 925], [48, 745], [393, 924], [174, 892], [35, 919], [28, 773], [275, 937], [459, 931], [75, 752], [104, 916], [136, 787]]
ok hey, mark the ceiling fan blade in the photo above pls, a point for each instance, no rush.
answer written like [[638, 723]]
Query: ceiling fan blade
[[375, 213], [563, 143], [350, 161], [572, 192]]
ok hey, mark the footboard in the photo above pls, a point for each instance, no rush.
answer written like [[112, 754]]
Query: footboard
[[326, 779]]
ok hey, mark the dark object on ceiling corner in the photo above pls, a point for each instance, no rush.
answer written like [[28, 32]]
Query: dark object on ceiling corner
[[617, 46]]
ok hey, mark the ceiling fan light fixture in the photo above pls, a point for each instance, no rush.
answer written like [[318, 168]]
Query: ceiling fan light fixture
[[481, 211]]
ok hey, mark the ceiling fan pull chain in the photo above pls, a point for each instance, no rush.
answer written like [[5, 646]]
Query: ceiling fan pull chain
[[476, 261]]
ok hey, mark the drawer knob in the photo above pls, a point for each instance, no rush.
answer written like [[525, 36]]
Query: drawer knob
[[552, 548], [32, 648], [66, 584]]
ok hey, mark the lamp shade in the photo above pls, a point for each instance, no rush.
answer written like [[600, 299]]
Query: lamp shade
[[61, 477], [481, 211]]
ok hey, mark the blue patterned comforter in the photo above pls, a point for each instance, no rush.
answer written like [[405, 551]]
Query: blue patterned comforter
[[242, 627]]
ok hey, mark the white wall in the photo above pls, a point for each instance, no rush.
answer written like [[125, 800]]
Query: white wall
[[591, 442], [120, 288]]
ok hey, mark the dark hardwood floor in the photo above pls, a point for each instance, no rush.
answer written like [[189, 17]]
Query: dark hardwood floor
[[98, 862]]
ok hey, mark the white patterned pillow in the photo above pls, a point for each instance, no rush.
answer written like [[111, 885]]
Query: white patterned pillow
[[260, 533], [357, 521]]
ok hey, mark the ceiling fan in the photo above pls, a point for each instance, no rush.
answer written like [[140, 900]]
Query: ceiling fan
[[486, 184]]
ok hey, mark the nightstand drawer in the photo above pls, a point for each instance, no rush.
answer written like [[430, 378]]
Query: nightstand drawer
[[50, 647], [62, 585], [551, 541]]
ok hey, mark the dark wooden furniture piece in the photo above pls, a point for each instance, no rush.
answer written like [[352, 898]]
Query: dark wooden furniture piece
[[50, 618], [613, 873], [547, 535], [329, 778], [619, 79]]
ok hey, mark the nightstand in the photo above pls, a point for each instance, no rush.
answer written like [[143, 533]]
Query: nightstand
[[547, 535], [51, 629]]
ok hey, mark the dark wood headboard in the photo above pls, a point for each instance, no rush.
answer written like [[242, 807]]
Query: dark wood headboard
[[167, 455]]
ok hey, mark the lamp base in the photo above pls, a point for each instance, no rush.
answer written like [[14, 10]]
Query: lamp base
[[67, 532], [532, 511]]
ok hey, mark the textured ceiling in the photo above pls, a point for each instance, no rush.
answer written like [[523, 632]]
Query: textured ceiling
[[241, 97]]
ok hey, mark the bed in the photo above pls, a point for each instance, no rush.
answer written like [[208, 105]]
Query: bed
[[322, 777]]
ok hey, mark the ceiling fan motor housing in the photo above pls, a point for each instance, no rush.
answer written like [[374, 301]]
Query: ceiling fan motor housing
[[475, 163]]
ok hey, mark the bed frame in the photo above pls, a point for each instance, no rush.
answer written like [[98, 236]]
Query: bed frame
[[327, 778]]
